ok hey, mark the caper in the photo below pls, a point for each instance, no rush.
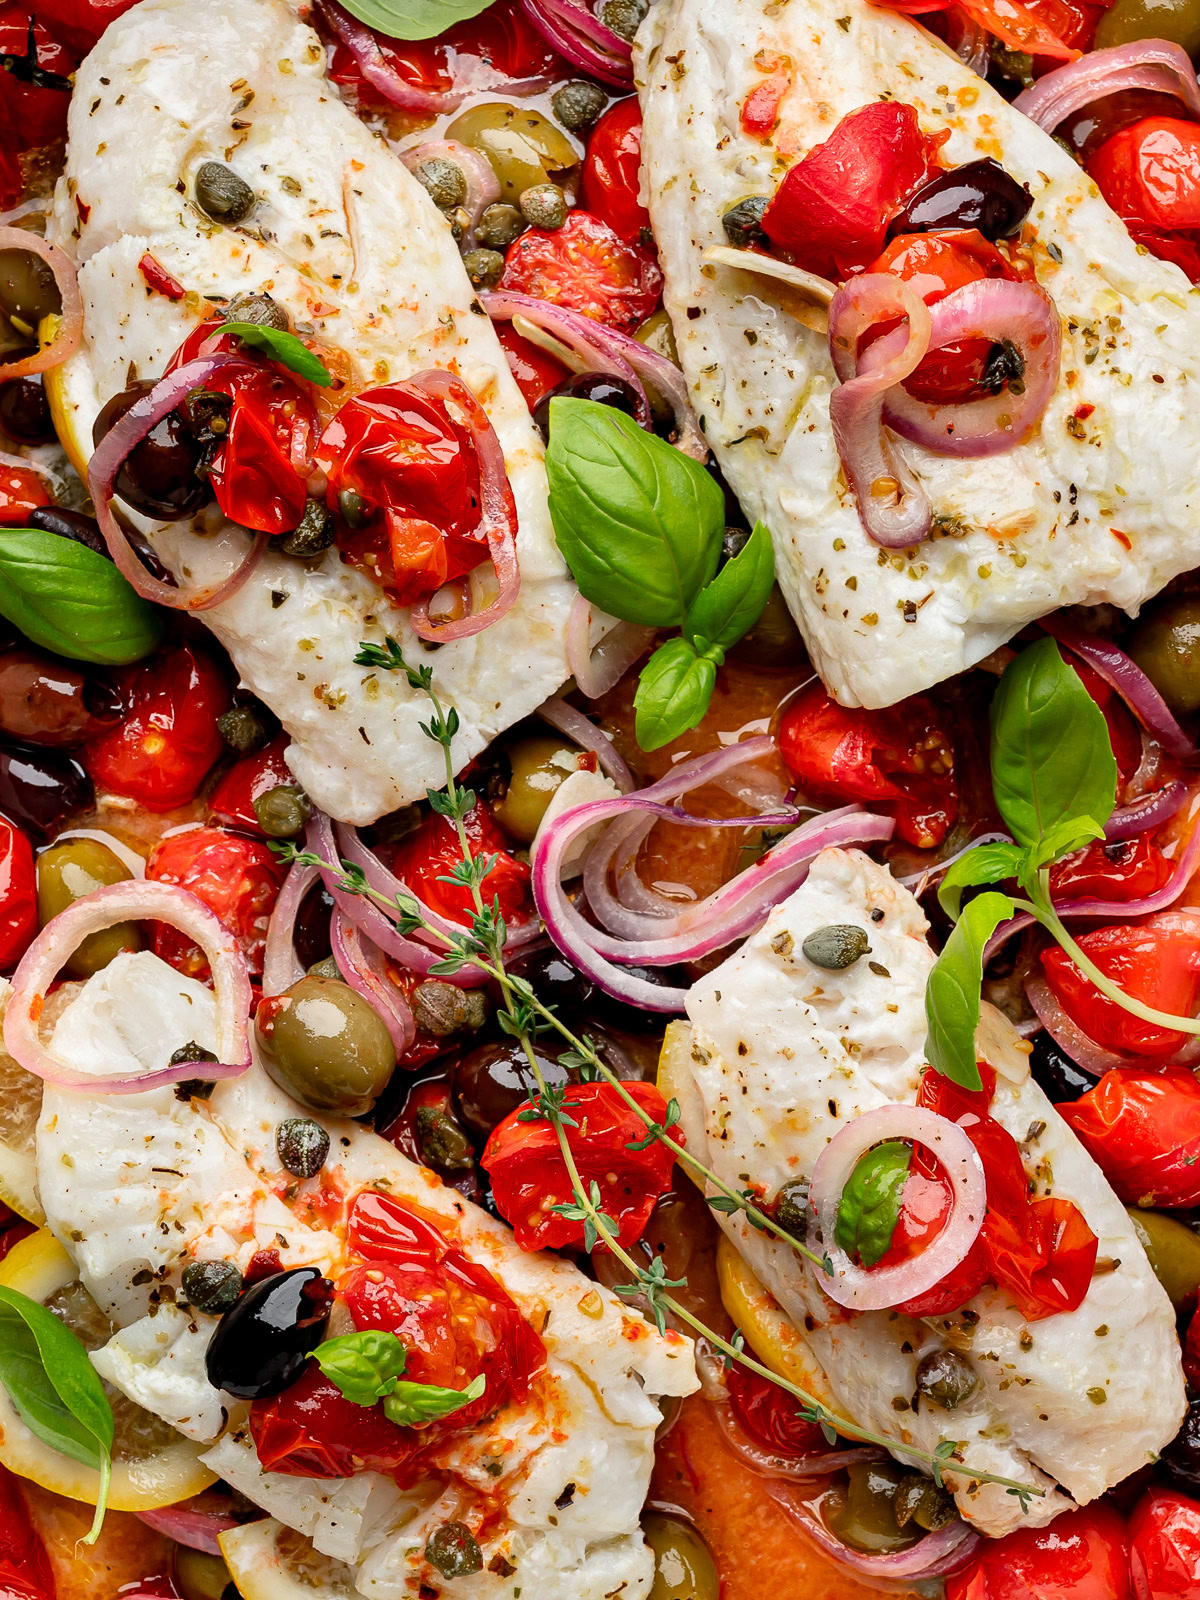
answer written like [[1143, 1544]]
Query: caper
[[863, 1514], [1173, 1251], [442, 1009], [1166, 645], [302, 1146], [244, 728], [191, 1051], [443, 180], [483, 267], [498, 226], [624, 17], [743, 222], [946, 1378], [1127, 20], [259, 309], [312, 535], [454, 1551], [283, 811], [578, 104], [790, 1207], [326, 1045], [538, 767], [211, 1286], [684, 1568], [221, 194], [356, 513], [65, 873], [442, 1143], [201, 1577], [836, 946], [919, 1500], [523, 146], [28, 291], [543, 206]]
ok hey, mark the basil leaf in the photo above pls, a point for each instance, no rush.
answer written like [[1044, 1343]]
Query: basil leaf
[[414, 19], [283, 347], [68, 599], [363, 1365], [987, 863], [952, 993], [55, 1389], [1052, 757], [411, 1403], [673, 693], [732, 603], [638, 522], [870, 1202], [1063, 839]]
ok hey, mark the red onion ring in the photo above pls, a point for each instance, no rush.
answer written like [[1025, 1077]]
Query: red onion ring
[[281, 968], [1124, 675], [69, 333], [108, 458], [1083, 1051], [971, 43], [577, 34], [1148, 811], [362, 966], [1153, 64], [567, 720], [196, 1530], [876, 1289], [892, 506], [935, 1556], [597, 671], [483, 186], [130, 901]]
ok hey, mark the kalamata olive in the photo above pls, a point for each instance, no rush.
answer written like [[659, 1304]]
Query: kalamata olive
[[263, 1341], [743, 221], [221, 194], [41, 789], [65, 873], [443, 1009], [302, 1146], [326, 1045], [684, 1568], [602, 387], [494, 1079], [443, 180], [539, 766], [863, 1514], [47, 701], [836, 946], [1166, 645], [1179, 1462], [978, 195], [1054, 1070], [25, 411], [28, 291], [74, 525], [199, 1576], [499, 225], [283, 811], [554, 980], [453, 1550], [245, 728], [160, 476], [311, 936], [260, 309], [211, 1286], [484, 267], [578, 104], [543, 206], [774, 640], [946, 1378], [1127, 20], [1173, 1251], [523, 146], [312, 535]]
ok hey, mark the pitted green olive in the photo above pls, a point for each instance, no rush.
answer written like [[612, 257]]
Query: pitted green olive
[[65, 873], [1166, 645], [1173, 1250], [201, 1577], [683, 1565], [1177, 20], [538, 767], [28, 291], [324, 1044], [524, 147], [863, 1513]]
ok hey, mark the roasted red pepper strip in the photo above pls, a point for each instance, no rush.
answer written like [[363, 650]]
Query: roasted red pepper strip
[[1141, 1125], [159, 279]]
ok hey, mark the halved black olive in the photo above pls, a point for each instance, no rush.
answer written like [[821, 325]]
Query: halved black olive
[[161, 477], [263, 1341], [979, 195], [602, 387]]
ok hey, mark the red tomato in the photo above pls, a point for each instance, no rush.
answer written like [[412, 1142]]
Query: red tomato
[[586, 267], [1082, 1555], [1141, 1125], [79, 23], [771, 1416], [1164, 1547], [25, 1571], [312, 1431], [236, 877], [833, 207], [21, 491], [1156, 961], [900, 761], [232, 801], [1123, 732], [760, 109], [165, 747], [610, 172], [18, 894], [33, 116], [1181, 248], [529, 1177], [1150, 173], [1127, 869], [1052, 28], [536, 370], [433, 849]]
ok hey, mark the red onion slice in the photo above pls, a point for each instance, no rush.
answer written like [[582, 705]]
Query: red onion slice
[[935, 1556], [598, 670], [196, 1530], [69, 333], [130, 901], [362, 966], [281, 967], [483, 186], [1148, 811], [1124, 675], [583, 40], [1083, 1051], [858, 1288], [971, 43], [567, 720], [1151, 64], [376, 70]]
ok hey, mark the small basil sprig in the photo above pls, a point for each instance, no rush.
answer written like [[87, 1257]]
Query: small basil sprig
[[282, 347], [414, 19], [55, 1389], [367, 1367], [870, 1204], [69, 599]]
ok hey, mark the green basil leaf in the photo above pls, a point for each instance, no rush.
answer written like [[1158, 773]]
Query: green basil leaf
[[411, 1403], [673, 693], [55, 1389], [68, 599], [870, 1202], [732, 603], [283, 347], [414, 19], [952, 993], [1052, 758], [363, 1365], [638, 522], [1063, 839], [987, 863]]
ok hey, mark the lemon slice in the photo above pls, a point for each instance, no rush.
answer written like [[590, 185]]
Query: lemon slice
[[20, 1102], [269, 1561], [769, 1331], [65, 407], [153, 1465]]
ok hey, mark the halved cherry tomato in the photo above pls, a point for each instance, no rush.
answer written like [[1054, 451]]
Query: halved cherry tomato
[[163, 750], [1141, 1126], [1081, 1555], [1164, 1546], [236, 877], [232, 801], [611, 170], [79, 23], [18, 894], [1054, 29], [536, 370], [529, 1177], [586, 267], [770, 1415], [1156, 961], [21, 491], [33, 115], [25, 1571], [1181, 248], [433, 850], [1150, 173], [1126, 869]]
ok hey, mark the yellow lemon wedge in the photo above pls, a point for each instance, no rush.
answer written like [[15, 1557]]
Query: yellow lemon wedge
[[268, 1561], [64, 409]]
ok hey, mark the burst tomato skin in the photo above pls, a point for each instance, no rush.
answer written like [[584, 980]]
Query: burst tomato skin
[[1082, 1555], [1156, 961], [1164, 1546], [25, 1572], [587, 267], [18, 894], [611, 170], [771, 1416], [1141, 1125], [433, 849], [1127, 869], [231, 803], [1150, 173], [237, 878], [21, 491], [32, 116], [535, 370]]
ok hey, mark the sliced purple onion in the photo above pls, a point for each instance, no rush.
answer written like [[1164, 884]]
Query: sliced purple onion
[[281, 966], [69, 332], [362, 965], [1150, 64], [573, 29], [1124, 675], [597, 670], [1148, 811], [574, 725], [195, 1530], [820, 1464], [1089, 1056], [937, 1555]]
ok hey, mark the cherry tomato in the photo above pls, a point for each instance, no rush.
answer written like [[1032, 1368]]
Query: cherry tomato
[[771, 1416], [1156, 961], [1126, 869], [586, 267], [236, 877], [433, 849], [1141, 1125], [901, 761], [33, 116], [529, 1177], [611, 170], [163, 750], [79, 23], [536, 370], [21, 491], [1150, 173], [18, 894], [232, 801], [25, 1571], [833, 207], [1051, 28], [760, 109], [1181, 248], [1081, 1555], [312, 1431], [1164, 1547]]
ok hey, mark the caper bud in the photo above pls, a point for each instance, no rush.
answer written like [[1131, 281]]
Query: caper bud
[[302, 1146], [188, 1089], [201, 1577], [221, 194], [543, 206], [259, 309], [66, 873], [863, 1515], [442, 1143], [836, 946], [454, 1551], [326, 1045], [191, 1051], [1166, 645], [443, 1008], [244, 728], [283, 811], [684, 1568], [919, 1500], [743, 222], [211, 1286], [578, 104], [538, 766], [312, 535], [790, 1208], [624, 17], [354, 509], [498, 226], [946, 1378], [484, 267], [443, 180]]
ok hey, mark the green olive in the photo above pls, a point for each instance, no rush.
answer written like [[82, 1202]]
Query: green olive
[[326, 1045], [1166, 645], [524, 147], [201, 1577], [221, 194], [1173, 1250], [863, 1513], [1177, 20], [538, 767], [774, 640], [28, 291], [683, 1565], [65, 873]]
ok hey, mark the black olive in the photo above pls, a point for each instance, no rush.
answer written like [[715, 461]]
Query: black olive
[[1179, 1463], [74, 525], [602, 387], [311, 936], [41, 789], [494, 1079], [636, 1018], [980, 195], [262, 1342], [162, 476], [1055, 1072], [554, 980], [25, 411]]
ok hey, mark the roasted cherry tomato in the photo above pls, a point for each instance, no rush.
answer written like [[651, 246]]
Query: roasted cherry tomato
[[1150, 173], [232, 801], [79, 23], [1141, 1125], [1123, 732], [1126, 869], [164, 748], [1164, 1547], [901, 761], [433, 849], [586, 267], [610, 172], [1180, 248], [536, 370], [21, 491], [236, 877], [833, 207], [529, 1177], [1156, 961], [18, 894], [25, 1571], [34, 93], [1082, 1555], [771, 1416]]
